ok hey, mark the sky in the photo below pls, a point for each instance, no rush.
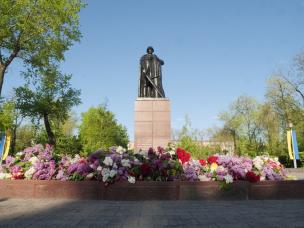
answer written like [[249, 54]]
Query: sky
[[214, 51]]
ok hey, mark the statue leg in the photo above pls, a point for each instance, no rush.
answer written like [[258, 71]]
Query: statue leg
[[155, 80]]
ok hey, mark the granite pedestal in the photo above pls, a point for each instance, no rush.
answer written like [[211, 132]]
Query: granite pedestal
[[152, 123]]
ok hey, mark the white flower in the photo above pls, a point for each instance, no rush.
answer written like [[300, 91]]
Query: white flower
[[120, 150], [4, 176], [105, 171], [203, 178], [113, 173], [108, 161], [75, 159], [99, 168], [19, 153], [220, 169], [91, 166], [29, 173], [142, 153], [105, 174], [228, 178], [125, 163], [89, 176], [171, 152], [131, 179], [258, 162], [34, 160], [105, 178]]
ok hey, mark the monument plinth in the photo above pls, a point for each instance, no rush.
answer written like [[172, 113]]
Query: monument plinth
[[152, 109], [152, 123]]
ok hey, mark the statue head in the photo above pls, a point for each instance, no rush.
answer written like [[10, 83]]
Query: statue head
[[150, 50]]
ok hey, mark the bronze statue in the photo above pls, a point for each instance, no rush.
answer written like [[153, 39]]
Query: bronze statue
[[150, 81]]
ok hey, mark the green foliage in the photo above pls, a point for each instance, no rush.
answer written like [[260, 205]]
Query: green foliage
[[6, 115], [240, 120], [196, 149], [50, 93], [49, 97], [25, 137], [70, 125], [260, 128], [99, 129], [188, 139], [68, 145], [38, 32]]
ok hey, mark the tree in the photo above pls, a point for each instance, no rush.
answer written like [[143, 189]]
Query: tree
[[269, 122], [295, 78], [25, 137], [287, 104], [241, 121], [70, 125], [100, 130], [49, 97], [38, 32], [191, 139], [280, 95], [6, 115]]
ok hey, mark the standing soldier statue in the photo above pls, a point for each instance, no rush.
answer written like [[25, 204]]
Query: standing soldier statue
[[150, 82]]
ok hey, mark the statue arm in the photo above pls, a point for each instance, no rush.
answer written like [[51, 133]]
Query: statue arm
[[160, 60]]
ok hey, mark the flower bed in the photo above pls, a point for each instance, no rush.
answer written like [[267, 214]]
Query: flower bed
[[117, 164]]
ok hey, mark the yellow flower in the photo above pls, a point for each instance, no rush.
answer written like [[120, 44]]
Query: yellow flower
[[213, 167]]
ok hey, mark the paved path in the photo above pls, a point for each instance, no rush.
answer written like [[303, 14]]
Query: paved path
[[71, 213]]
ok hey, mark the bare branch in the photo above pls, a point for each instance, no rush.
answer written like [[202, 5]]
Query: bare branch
[[295, 87]]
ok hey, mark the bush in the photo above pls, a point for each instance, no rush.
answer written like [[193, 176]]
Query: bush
[[70, 145], [100, 130], [197, 151], [288, 163]]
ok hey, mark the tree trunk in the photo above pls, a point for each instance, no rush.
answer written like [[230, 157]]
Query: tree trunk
[[236, 151], [2, 71], [14, 136], [48, 129]]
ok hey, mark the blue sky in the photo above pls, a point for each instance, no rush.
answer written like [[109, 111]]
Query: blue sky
[[213, 50]]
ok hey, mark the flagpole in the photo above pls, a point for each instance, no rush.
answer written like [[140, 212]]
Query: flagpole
[[294, 153]]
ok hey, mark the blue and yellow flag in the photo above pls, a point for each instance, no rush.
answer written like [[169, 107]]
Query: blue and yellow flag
[[6, 145], [295, 144], [2, 144], [289, 144], [292, 144]]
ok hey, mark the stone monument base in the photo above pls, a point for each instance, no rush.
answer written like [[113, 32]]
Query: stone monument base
[[152, 123]]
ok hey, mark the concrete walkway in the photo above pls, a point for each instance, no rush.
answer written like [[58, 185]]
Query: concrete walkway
[[297, 173], [67, 213]]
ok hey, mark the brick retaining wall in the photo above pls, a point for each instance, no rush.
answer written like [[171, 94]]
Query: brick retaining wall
[[179, 190]]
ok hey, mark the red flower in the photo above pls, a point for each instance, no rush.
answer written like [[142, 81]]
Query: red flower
[[182, 155], [252, 177], [212, 159], [203, 162], [145, 169]]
